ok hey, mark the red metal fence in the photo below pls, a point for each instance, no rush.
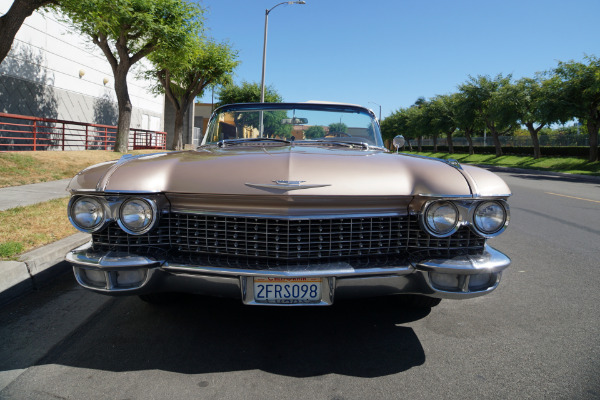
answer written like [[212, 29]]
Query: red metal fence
[[19, 132]]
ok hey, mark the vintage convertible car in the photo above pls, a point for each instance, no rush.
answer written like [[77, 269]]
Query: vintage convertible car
[[289, 204]]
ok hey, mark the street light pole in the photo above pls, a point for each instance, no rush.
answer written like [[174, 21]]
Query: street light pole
[[372, 102], [264, 62]]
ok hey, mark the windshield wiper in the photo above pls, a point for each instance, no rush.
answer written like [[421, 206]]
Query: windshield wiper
[[342, 143], [225, 142]]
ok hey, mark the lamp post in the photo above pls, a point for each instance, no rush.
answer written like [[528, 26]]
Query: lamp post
[[262, 82], [372, 102]]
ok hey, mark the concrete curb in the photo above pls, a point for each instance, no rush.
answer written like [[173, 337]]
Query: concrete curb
[[36, 267]]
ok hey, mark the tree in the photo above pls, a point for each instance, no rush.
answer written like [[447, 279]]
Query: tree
[[250, 93], [11, 22], [466, 117], [246, 93], [127, 31], [484, 95], [314, 132], [576, 86], [184, 76], [533, 106], [338, 127], [420, 121], [442, 110]]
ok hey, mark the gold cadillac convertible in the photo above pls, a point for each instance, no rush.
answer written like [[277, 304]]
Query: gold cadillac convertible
[[289, 204]]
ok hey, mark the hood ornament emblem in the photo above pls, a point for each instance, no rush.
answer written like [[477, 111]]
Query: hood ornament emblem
[[286, 185]]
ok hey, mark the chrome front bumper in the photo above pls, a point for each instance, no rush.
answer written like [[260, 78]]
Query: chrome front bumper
[[459, 277]]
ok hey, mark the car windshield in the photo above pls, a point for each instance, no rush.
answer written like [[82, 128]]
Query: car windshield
[[302, 124]]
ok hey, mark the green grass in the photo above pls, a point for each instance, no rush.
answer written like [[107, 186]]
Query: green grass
[[28, 227], [569, 165], [9, 250], [24, 167]]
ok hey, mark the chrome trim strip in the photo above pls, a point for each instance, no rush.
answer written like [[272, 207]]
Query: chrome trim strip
[[84, 256], [289, 217], [464, 196], [334, 272], [491, 260], [280, 186]]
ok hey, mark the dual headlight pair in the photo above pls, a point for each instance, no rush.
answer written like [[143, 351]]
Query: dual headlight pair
[[487, 218], [135, 215]]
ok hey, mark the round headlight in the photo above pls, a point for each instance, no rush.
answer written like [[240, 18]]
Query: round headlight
[[490, 217], [441, 218], [136, 216], [86, 214]]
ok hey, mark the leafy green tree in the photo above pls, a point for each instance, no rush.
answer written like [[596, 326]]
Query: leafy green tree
[[533, 106], [127, 31], [421, 116], [184, 76], [246, 93], [250, 93], [338, 127], [466, 117], [442, 109], [314, 132], [485, 95], [576, 86], [11, 22]]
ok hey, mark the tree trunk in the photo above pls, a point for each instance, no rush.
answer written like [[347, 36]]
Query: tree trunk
[[449, 140], [470, 141], [534, 140], [11, 22], [496, 140], [435, 143], [420, 143], [125, 108], [593, 134], [178, 130]]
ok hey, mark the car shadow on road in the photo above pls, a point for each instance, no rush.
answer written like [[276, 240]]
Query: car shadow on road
[[203, 335]]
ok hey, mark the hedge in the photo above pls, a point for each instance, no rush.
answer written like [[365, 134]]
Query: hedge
[[555, 151]]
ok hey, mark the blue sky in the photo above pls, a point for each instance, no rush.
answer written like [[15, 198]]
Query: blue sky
[[392, 52]]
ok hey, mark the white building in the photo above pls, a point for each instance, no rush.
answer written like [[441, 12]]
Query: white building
[[52, 72]]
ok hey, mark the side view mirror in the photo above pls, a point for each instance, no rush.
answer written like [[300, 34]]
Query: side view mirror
[[398, 142]]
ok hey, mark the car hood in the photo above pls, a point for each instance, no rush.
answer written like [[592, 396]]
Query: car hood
[[293, 170]]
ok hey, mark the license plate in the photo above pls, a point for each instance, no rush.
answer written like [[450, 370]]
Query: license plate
[[287, 290]]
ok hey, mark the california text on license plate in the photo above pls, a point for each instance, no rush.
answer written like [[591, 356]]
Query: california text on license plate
[[287, 290]]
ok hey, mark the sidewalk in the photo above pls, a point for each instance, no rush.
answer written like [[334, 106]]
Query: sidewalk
[[25, 195], [41, 264]]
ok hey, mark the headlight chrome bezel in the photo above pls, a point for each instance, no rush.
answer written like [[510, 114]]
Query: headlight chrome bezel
[[153, 209], [430, 229], [102, 206], [466, 214], [501, 228], [111, 209]]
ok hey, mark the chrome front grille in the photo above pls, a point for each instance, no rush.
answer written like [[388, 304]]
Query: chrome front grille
[[288, 239], [285, 239]]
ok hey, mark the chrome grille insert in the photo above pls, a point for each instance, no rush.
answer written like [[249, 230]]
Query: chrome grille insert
[[286, 239]]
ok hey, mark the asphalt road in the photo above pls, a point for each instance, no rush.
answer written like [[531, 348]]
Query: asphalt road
[[537, 336]]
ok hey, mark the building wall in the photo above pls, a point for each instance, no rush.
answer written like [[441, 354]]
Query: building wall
[[53, 72]]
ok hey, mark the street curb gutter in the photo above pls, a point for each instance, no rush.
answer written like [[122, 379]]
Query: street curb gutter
[[525, 171], [36, 267]]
